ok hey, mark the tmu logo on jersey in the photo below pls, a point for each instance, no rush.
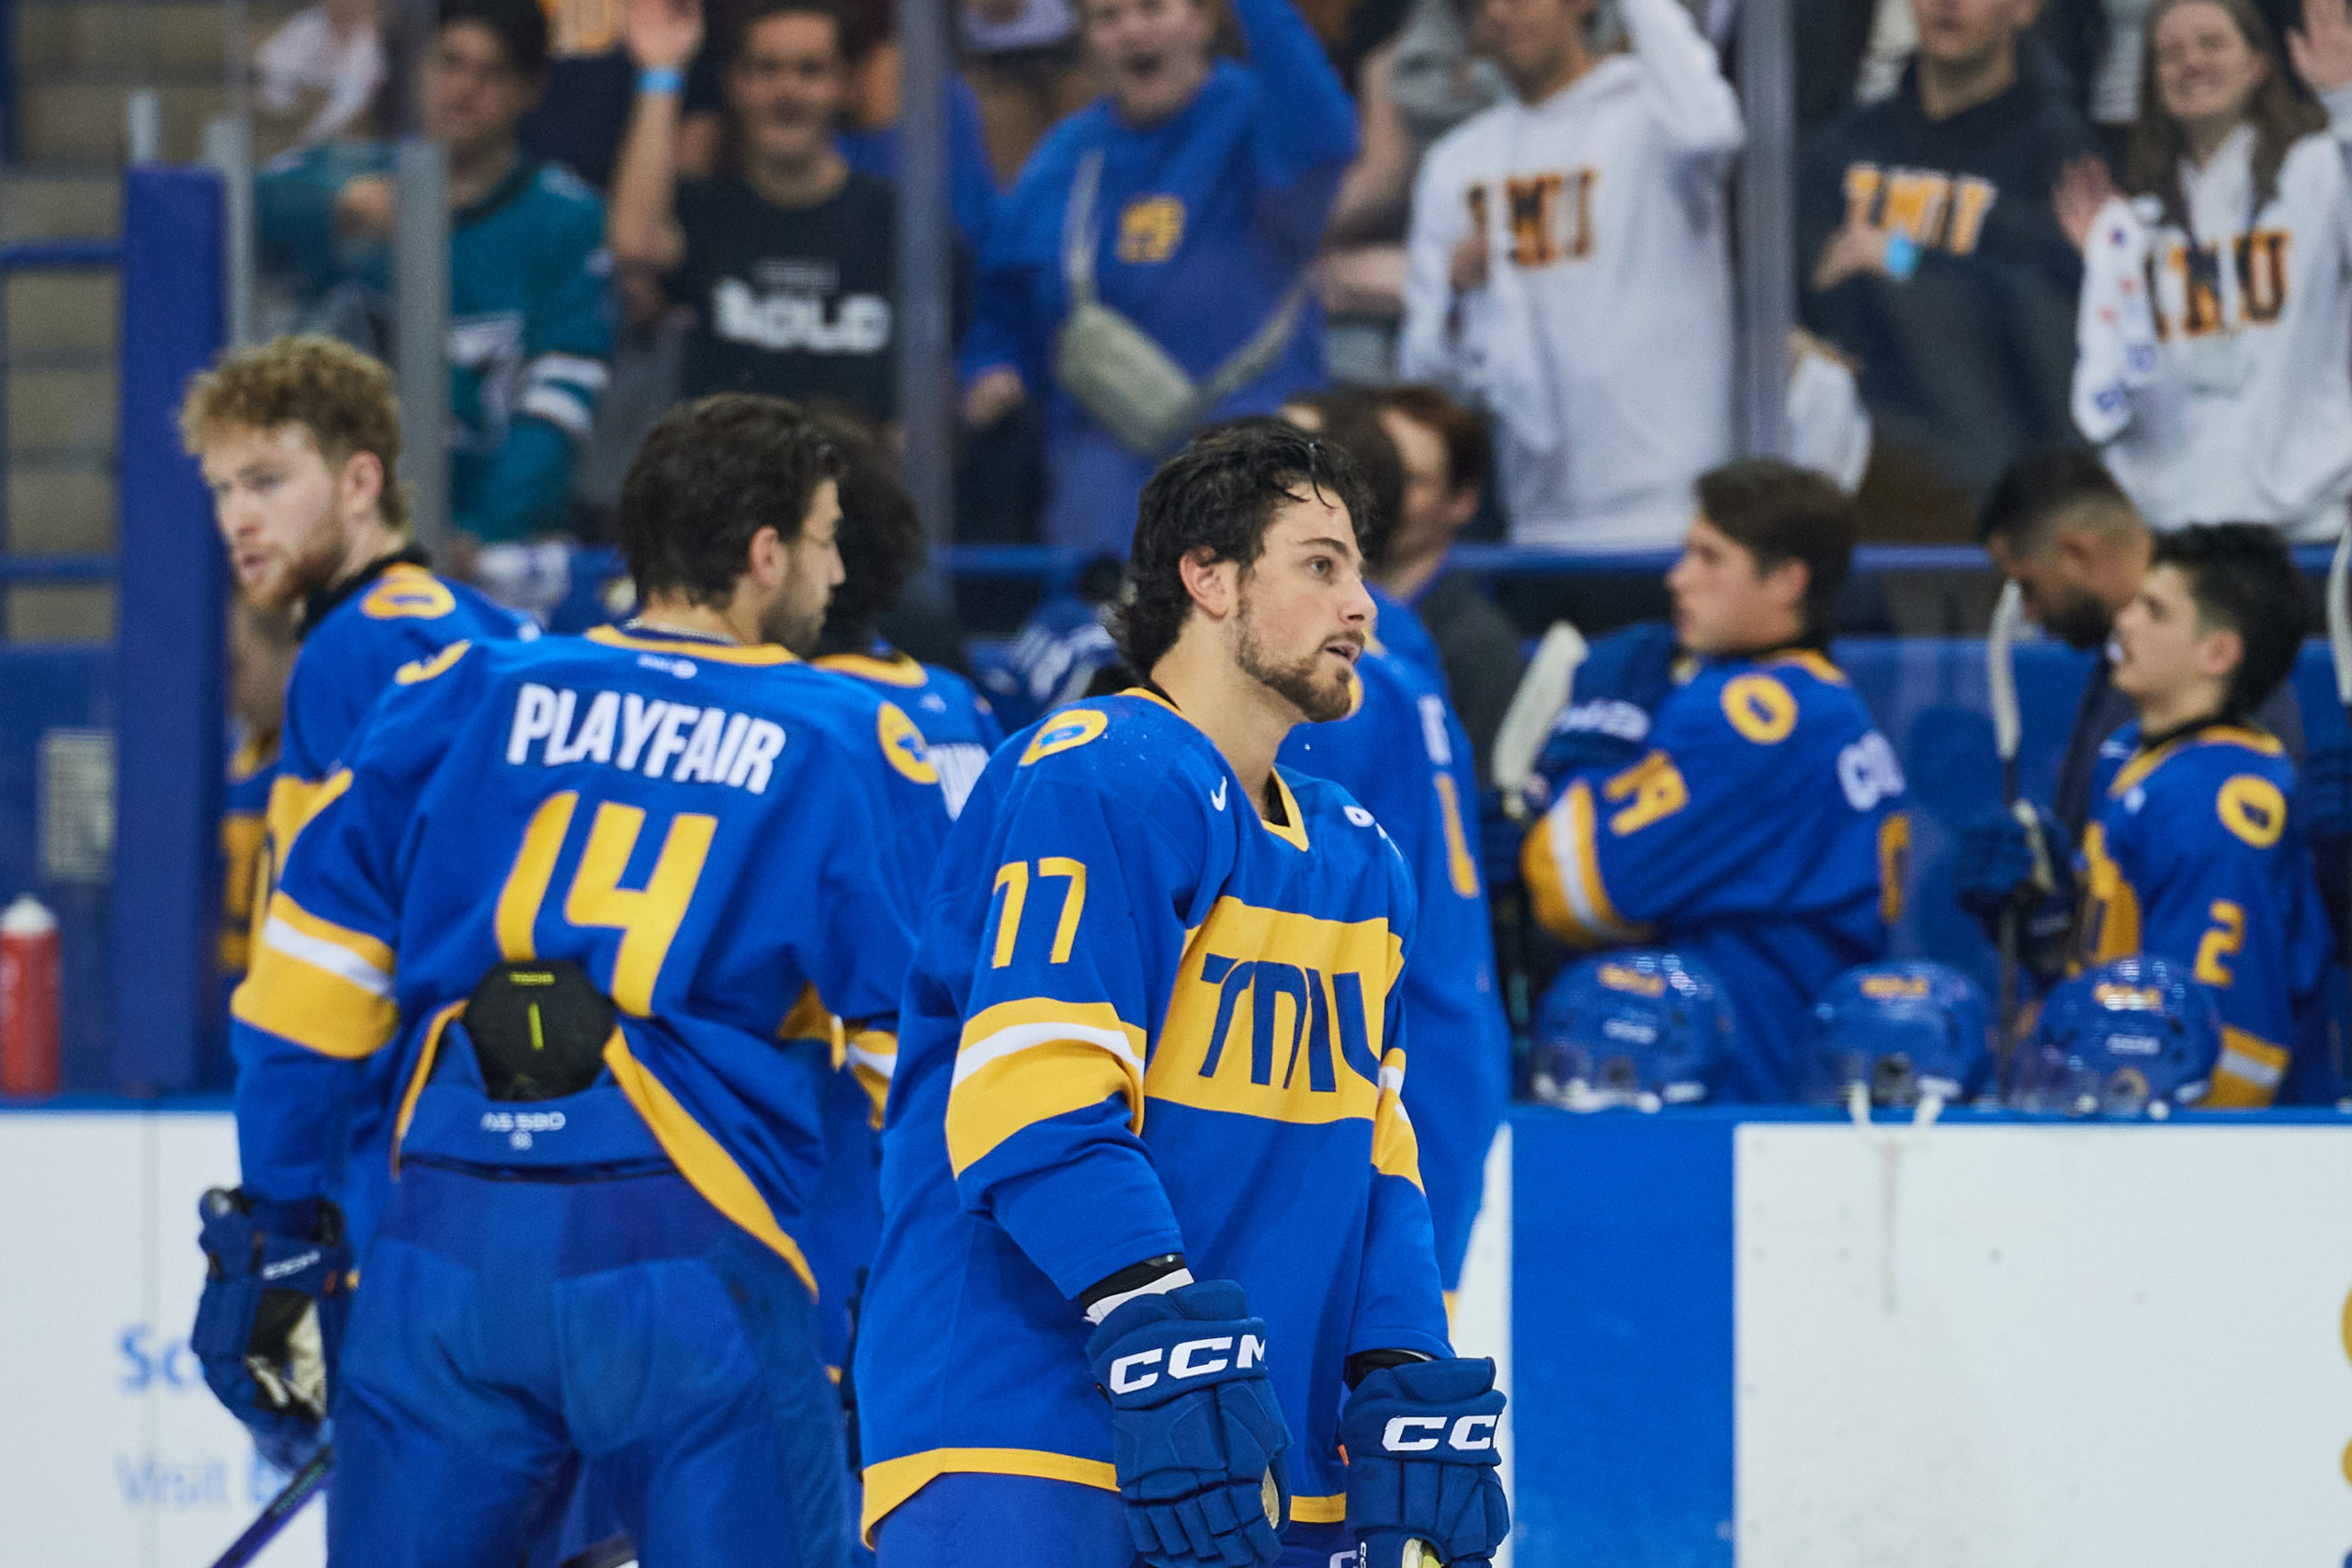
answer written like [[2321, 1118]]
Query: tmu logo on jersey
[[1549, 215], [1277, 1015], [2197, 292], [1935, 212]]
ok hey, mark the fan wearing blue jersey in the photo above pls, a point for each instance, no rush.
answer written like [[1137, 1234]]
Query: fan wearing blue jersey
[[1758, 826], [882, 547], [1155, 1248], [299, 439], [2193, 853], [583, 893]]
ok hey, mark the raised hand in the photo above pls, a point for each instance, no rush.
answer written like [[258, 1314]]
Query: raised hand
[[2322, 47], [664, 33], [2083, 187]]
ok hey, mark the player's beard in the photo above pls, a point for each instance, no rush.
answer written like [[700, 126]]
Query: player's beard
[[1301, 681], [311, 569], [790, 626], [2080, 621]]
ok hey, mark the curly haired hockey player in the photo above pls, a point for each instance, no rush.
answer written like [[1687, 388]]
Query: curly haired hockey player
[[298, 439], [1155, 1248]]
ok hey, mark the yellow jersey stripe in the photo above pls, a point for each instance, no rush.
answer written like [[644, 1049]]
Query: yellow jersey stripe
[[1396, 1147], [2249, 1073], [701, 1159], [690, 648], [892, 1481], [1042, 1079]]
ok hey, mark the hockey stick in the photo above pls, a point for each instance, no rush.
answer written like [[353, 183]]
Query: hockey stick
[[2001, 682], [2339, 647], [307, 1482]]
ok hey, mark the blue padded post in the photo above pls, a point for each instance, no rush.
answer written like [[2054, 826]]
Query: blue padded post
[[170, 661]]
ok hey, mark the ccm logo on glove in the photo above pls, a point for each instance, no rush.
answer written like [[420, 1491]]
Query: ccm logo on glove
[[1185, 1362], [1404, 1434]]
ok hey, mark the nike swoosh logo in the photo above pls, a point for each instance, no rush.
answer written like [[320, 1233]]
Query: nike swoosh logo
[[1217, 799]]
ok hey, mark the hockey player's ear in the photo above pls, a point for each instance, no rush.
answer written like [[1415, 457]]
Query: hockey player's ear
[[2220, 652], [359, 487], [1213, 581], [765, 560]]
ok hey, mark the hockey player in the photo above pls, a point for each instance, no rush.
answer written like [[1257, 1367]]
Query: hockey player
[[1569, 270], [1152, 1204], [2059, 526], [299, 440], [2194, 854], [579, 890], [882, 546], [2215, 326], [261, 646], [1404, 756], [1760, 832]]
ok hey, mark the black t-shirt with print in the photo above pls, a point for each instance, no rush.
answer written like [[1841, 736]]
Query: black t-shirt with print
[[791, 301]]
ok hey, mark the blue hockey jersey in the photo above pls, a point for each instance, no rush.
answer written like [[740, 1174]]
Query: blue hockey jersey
[[245, 853], [1206, 220], [530, 329], [2193, 854], [1402, 755], [704, 827], [1142, 1020], [1398, 631], [1053, 659], [1762, 834], [958, 726]]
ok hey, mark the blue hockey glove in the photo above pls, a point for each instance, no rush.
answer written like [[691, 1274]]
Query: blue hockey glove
[[1196, 1434], [269, 1324], [1422, 1464], [1606, 725], [2019, 859]]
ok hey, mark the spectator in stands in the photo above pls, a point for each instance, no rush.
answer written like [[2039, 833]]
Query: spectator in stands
[[1412, 88], [529, 330], [318, 76], [580, 117], [1569, 271], [1022, 60], [1756, 822], [1148, 273], [2059, 526], [786, 259], [2215, 331], [1446, 454], [1937, 263]]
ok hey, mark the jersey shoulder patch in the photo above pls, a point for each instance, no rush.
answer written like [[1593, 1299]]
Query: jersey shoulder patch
[[903, 745], [1066, 731], [407, 593]]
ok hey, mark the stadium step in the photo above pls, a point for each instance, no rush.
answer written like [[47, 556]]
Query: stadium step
[[37, 204]]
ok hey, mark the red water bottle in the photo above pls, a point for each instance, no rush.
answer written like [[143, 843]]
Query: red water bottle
[[29, 987]]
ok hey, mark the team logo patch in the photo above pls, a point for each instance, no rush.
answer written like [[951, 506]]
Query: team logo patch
[[2252, 808], [903, 744], [411, 596], [1066, 733], [1761, 708], [418, 671]]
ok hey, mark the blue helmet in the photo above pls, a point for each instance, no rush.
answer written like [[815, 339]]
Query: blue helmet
[[1904, 1030], [1643, 1027], [2135, 1037]]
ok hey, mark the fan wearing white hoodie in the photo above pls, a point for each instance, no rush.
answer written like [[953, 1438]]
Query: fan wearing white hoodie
[[1568, 268], [2214, 339]]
